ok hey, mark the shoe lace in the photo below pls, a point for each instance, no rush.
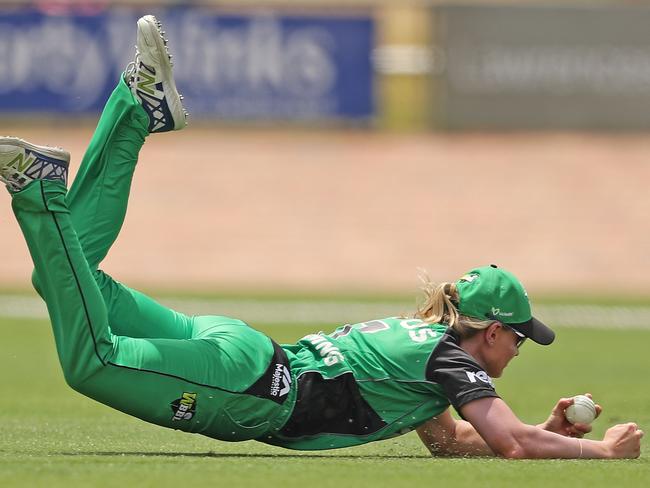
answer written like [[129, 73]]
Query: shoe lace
[[10, 184], [131, 68]]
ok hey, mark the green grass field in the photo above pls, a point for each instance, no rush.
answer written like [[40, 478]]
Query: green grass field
[[52, 436]]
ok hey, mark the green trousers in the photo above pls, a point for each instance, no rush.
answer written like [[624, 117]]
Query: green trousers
[[117, 345]]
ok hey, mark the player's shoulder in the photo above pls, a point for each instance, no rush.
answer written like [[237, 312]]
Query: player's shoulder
[[448, 354], [462, 378]]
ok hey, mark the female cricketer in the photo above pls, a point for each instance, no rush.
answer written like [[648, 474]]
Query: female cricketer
[[217, 376]]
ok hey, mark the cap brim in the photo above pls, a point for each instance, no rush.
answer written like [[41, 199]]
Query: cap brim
[[535, 331]]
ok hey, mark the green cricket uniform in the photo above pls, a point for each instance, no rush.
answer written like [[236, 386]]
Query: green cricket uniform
[[215, 375], [376, 380]]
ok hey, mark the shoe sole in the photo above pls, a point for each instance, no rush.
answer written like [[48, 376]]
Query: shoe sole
[[48, 151], [152, 37]]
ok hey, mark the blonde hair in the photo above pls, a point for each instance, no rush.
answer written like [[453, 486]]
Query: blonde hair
[[440, 306]]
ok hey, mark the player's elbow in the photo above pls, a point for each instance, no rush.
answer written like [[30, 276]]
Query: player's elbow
[[517, 445], [514, 451]]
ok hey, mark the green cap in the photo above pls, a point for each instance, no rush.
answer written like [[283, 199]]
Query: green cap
[[494, 293]]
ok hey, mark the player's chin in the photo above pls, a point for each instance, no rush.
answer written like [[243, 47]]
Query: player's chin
[[495, 372], [503, 367], [499, 370]]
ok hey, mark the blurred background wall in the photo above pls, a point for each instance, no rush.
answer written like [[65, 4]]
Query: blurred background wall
[[342, 145], [486, 65]]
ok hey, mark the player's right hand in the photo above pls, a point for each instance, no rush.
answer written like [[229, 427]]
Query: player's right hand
[[624, 440], [558, 423]]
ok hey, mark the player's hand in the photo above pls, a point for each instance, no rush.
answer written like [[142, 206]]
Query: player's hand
[[623, 441], [558, 423]]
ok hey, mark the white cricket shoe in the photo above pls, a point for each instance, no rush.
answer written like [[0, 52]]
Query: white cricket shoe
[[22, 162], [151, 79]]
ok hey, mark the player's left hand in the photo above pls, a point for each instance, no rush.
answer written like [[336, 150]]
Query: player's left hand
[[558, 423]]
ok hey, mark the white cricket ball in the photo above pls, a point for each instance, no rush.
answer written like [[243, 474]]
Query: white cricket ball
[[583, 410]]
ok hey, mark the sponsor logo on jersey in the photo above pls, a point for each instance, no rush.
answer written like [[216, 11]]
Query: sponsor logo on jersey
[[281, 381], [329, 352], [184, 407], [480, 376]]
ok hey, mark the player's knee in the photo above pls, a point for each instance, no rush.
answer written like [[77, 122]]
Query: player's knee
[[36, 283], [73, 379], [79, 377]]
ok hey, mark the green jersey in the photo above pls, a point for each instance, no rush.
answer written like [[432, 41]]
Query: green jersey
[[375, 380]]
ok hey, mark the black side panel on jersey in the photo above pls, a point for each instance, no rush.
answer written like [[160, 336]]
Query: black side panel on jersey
[[460, 376], [275, 383], [330, 406]]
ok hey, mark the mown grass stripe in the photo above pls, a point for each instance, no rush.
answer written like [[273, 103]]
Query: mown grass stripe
[[339, 312]]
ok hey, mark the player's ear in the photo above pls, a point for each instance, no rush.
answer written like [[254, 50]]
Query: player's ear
[[491, 332]]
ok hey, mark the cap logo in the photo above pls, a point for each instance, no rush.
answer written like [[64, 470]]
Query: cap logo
[[498, 312], [469, 277]]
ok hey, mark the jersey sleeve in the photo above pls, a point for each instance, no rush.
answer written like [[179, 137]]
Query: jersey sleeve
[[459, 375]]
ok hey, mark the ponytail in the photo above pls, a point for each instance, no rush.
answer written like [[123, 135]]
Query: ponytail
[[440, 306], [440, 303]]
